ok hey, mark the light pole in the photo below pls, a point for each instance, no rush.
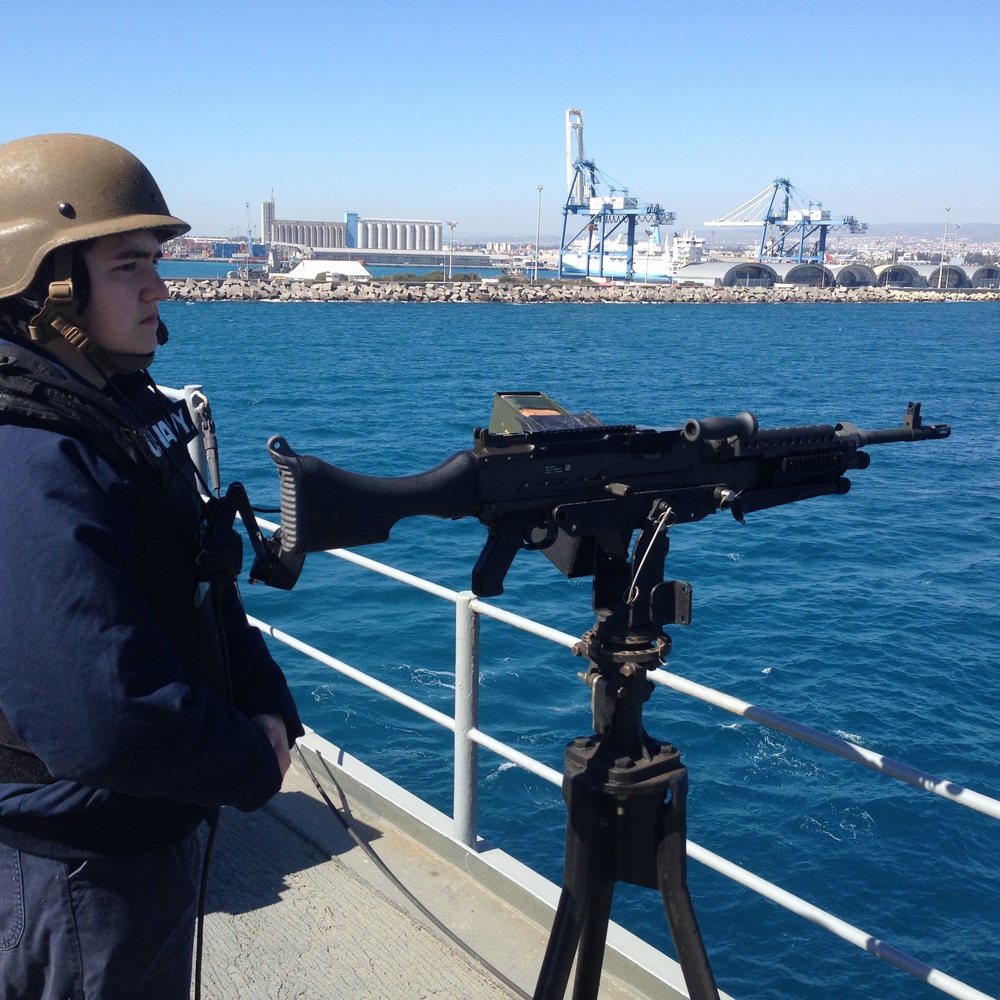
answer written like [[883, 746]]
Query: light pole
[[451, 252], [649, 232], [538, 227], [944, 241]]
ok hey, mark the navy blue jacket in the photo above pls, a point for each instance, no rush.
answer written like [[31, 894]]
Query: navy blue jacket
[[92, 681]]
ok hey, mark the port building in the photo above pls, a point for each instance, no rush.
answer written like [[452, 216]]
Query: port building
[[728, 274], [354, 233], [850, 275], [722, 273], [918, 275]]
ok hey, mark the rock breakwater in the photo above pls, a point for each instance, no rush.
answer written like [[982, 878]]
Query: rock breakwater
[[522, 293]]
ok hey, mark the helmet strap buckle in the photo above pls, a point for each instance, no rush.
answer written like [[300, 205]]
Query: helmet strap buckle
[[61, 292], [59, 315]]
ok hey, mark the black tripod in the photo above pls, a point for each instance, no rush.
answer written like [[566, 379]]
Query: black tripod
[[625, 792]]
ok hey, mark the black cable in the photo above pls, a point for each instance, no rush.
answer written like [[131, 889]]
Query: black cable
[[213, 826], [389, 874]]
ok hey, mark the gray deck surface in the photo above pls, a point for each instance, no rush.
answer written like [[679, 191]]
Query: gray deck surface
[[296, 909]]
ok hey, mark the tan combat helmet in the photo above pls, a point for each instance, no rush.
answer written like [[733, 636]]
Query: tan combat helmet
[[61, 189], [58, 190]]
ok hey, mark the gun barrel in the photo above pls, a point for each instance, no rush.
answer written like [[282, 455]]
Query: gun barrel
[[913, 429], [890, 435]]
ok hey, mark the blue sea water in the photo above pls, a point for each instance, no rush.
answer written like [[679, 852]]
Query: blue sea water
[[873, 615]]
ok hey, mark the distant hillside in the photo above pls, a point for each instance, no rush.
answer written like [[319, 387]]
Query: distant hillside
[[980, 232]]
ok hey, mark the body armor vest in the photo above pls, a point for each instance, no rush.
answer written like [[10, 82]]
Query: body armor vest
[[170, 522]]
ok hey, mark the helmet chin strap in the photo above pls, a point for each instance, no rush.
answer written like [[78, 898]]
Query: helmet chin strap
[[60, 317]]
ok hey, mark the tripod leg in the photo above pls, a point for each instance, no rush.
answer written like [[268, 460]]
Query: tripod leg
[[671, 865], [561, 948], [580, 929], [581, 920], [590, 959]]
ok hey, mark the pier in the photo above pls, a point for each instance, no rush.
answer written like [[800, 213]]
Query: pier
[[524, 293]]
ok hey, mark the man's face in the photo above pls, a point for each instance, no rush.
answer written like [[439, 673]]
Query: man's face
[[122, 313]]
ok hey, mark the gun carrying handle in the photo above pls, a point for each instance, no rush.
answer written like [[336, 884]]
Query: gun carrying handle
[[742, 426]]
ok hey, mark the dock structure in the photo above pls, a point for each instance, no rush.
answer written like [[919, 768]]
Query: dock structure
[[746, 282], [787, 217], [296, 908], [598, 208]]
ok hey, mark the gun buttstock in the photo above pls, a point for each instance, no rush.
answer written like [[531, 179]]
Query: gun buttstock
[[326, 507]]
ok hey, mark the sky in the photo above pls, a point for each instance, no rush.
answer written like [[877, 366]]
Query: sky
[[456, 109]]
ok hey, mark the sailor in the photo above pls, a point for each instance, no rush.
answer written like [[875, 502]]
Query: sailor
[[135, 699]]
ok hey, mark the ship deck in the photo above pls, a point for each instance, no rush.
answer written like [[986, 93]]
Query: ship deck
[[297, 909]]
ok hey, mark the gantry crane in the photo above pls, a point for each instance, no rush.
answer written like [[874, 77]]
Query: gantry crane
[[788, 218], [599, 214]]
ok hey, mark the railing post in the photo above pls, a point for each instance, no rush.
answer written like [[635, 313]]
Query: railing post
[[466, 717]]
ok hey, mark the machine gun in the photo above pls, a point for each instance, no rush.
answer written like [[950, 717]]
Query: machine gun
[[541, 478]]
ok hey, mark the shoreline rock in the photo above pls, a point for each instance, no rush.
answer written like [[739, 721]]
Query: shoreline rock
[[520, 293]]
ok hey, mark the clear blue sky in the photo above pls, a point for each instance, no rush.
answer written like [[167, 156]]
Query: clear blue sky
[[455, 109]]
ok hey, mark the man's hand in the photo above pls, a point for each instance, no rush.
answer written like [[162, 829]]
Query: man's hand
[[274, 729]]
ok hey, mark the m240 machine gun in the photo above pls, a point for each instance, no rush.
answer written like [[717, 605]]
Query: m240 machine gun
[[541, 478], [576, 489]]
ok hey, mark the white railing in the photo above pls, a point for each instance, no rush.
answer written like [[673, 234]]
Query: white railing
[[468, 737]]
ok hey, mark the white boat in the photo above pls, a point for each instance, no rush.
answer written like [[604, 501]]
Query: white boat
[[318, 269], [651, 260], [247, 268]]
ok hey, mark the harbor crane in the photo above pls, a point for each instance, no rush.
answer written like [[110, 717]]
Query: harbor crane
[[598, 207], [787, 217]]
